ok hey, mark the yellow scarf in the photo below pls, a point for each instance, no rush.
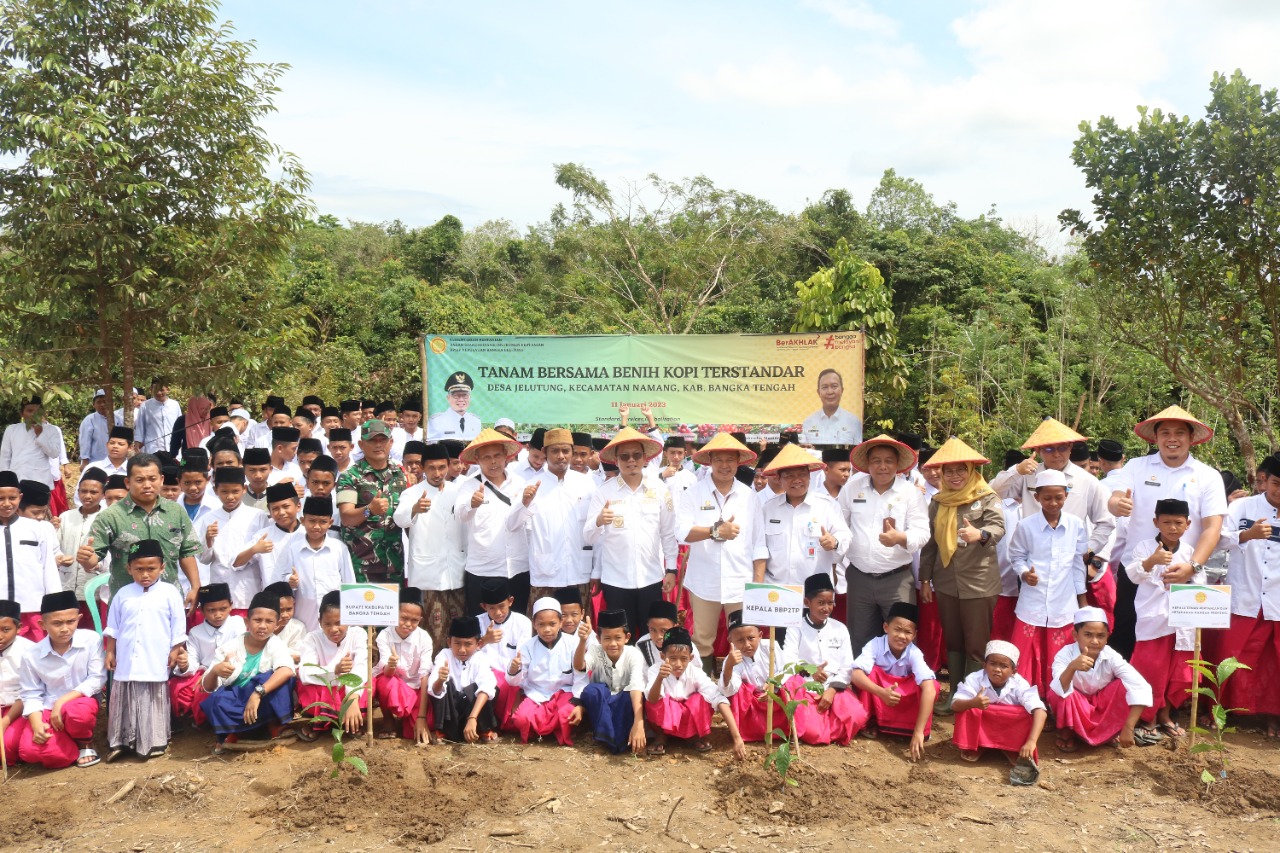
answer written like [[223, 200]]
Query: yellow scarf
[[945, 527]]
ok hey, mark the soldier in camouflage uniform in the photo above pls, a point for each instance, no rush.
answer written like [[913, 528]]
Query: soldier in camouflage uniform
[[367, 494]]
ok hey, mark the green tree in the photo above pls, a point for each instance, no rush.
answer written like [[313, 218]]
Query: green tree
[[142, 205]]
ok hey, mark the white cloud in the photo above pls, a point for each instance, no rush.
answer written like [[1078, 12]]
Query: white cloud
[[855, 15]]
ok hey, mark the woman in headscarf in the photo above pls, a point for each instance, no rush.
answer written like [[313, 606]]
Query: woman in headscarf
[[958, 566]]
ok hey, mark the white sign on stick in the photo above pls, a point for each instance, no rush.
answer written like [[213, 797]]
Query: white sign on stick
[[1194, 605], [772, 605], [370, 604]]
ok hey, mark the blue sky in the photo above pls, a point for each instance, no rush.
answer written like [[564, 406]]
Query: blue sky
[[411, 110]]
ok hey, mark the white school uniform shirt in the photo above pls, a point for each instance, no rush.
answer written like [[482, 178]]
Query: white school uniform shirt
[[237, 530], [103, 464], [680, 481], [515, 631], [118, 414], [28, 554], [755, 670], [317, 649], [843, 427], [719, 571], [1016, 691], [638, 548], [450, 424], [73, 531], [1254, 567], [1151, 480], [203, 640], [94, 432], [864, 510], [1086, 499], [154, 423], [648, 650], [1009, 580], [275, 654], [288, 471], [1151, 601], [462, 675], [414, 652], [399, 438], [766, 494], [278, 537], [548, 671], [435, 555], [320, 570], [29, 455], [495, 537], [292, 635], [692, 680], [1057, 553], [554, 519], [522, 469], [46, 675], [829, 644], [1109, 666], [877, 653], [146, 624], [627, 673], [10, 667], [791, 535]]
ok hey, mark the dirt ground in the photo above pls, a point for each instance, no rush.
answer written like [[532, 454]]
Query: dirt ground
[[507, 797]]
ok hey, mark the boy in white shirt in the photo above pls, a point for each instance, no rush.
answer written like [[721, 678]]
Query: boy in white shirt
[[898, 689], [144, 637], [543, 672], [283, 507], [834, 715], [13, 649], [28, 552], [744, 676], [314, 563], [461, 687], [662, 618], [613, 701], [1047, 553], [404, 659], [681, 699], [217, 628], [234, 537], [1095, 694], [73, 532], [502, 633], [997, 709], [331, 655], [61, 678], [291, 631]]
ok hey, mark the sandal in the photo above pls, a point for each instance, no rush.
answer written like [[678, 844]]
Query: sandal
[[703, 745], [870, 732], [88, 757], [655, 749], [1066, 741], [156, 752], [307, 734], [1024, 773], [386, 735], [1172, 729], [218, 748], [488, 737], [1146, 736], [969, 754], [115, 753]]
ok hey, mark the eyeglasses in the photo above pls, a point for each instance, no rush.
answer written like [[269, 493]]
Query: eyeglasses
[[631, 457], [1057, 448]]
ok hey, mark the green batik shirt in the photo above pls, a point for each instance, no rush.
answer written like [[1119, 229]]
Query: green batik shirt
[[377, 544], [123, 523]]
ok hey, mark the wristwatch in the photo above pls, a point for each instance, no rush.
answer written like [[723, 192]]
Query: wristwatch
[[261, 690], [985, 537], [715, 531], [1196, 567]]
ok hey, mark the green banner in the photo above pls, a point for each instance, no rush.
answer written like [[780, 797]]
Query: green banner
[[693, 381]]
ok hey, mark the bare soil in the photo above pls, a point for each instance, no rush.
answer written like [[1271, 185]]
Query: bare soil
[[508, 796]]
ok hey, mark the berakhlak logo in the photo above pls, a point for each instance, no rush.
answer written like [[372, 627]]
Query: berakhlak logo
[[831, 342]]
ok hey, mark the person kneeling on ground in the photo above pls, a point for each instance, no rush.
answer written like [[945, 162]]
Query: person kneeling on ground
[[997, 709], [897, 686], [462, 688], [682, 699]]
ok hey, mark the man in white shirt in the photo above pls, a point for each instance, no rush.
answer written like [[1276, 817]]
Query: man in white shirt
[[435, 556], [631, 522], [889, 524], [457, 422], [672, 469], [720, 520], [32, 448], [1170, 472], [532, 461], [94, 429], [554, 517], [156, 418], [486, 506], [409, 428], [832, 424]]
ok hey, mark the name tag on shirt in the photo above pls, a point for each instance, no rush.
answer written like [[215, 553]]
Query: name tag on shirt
[[775, 521], [1151, 482], [30, 542]]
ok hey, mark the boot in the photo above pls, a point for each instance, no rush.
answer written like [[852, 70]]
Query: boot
[[955, 675]]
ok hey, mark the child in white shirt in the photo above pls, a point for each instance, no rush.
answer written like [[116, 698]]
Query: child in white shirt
[[834, 715], [1095, 694], [613, 701], [662, 618], [334, 658], [897, 687], [404, 658], [314, 563], [997, 709], [290, 631], [234, 537], [13, 648], [503, 631], [543, 671], [681, 699], [746, 674], [186, 691], [461, 687]]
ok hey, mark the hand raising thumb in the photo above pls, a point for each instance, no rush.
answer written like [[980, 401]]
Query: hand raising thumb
[[889, 524], [965, 522], [1128, 493]]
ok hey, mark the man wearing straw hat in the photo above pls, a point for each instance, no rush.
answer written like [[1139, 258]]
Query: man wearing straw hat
[[486, 505], [1170, 472], [631, 523], [804, 530], [719, 519], [889, 523], [554, 516]]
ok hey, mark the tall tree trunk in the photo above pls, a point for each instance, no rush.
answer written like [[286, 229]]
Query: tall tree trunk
[[104, 353], [1241, 433], [126, 364]]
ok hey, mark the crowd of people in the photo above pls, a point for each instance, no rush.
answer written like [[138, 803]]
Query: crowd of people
[[569, 583]]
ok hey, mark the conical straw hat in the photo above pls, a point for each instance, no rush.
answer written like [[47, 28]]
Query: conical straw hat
[[955, 451], [724, 441], [652, 447], [794, 456], [486, 438], [906, 456], [1200, 432], [1051, 432]]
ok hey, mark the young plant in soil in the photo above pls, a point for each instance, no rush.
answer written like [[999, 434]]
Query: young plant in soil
[[787, 751], [1215, 738], [354, 684]]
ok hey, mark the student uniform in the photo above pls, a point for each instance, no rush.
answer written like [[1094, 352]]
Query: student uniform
[[292, 634], [224, 707], [435, 555], [687, 702], [11, 691], [1160, 653], [28, 556], [277, 536], [73, 531], [1007, 602], [316, 685], [1005, 723], [907, 672], [320, 570], [397, 692], [1042, 622], [829, 644], [1096, 704], [452, 704], [203, 641], [1254, 635], [516, 628], [550, 685], [606, 694], [146, 624], [45, 676], [649, 650], [744, 688], [237, 531]]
